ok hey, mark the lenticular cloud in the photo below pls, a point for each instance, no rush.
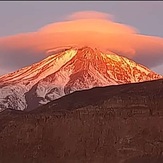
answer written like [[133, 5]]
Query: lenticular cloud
[[88, 28]]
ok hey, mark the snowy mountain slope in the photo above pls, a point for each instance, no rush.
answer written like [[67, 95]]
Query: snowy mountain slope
[[65, 72]]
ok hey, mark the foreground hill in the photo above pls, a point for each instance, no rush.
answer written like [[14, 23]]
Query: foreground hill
[[115, 124]]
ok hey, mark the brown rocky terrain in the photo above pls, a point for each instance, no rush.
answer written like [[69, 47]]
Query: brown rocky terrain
[[114, 124]]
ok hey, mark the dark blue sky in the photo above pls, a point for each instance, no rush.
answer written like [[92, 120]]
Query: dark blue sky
[[20, 17]]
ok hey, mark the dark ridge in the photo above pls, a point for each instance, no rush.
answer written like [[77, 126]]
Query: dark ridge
[[115, 124], [151, 90]]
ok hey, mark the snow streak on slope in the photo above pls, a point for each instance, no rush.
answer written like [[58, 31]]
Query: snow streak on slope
[[41, 69], [65, 72], [13, 86]]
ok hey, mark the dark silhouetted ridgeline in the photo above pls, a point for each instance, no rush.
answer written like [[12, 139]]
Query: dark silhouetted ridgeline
[[115, 124]]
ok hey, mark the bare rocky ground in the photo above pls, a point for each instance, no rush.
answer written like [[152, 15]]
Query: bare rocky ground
[[116, 124]]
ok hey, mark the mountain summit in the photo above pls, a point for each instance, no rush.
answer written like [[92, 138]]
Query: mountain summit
[[66, 71]]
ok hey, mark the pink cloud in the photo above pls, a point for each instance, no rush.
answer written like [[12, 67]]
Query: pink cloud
[[91, 29], [90, 15]]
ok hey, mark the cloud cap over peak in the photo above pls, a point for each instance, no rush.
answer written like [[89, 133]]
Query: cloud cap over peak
[[83, 29], [89, 21]]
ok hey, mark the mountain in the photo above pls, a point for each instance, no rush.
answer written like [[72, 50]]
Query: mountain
[[143, 96], [66, 71], [113, 124]]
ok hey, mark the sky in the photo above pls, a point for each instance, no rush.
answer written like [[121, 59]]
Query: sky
[[28, 29]]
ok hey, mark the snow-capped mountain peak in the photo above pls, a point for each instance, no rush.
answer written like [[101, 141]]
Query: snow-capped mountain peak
[[65, 71]]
